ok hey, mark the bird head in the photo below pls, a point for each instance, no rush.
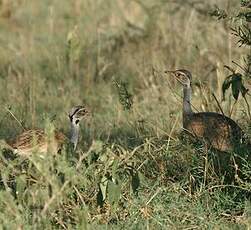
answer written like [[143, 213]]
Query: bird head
[[77, 113], [181, 75]]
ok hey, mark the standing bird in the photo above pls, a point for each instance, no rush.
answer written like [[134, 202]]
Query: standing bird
[[217, 130], [36, 140]]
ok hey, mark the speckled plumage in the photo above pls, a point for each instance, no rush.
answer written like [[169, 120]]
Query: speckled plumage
[[36, 140], [218, 131]]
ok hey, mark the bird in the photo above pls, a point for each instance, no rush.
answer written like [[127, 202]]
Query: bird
[[36, 140], [215, 129]]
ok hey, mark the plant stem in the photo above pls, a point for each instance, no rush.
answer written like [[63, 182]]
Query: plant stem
[[248, 106]]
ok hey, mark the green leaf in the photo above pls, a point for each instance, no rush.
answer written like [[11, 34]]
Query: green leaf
[[236, 85], [135, 182], [248, 16], [103, 186], [217, 12], [100, 201], [142, 178], [20, 186], [226, 84], [125, 98], [235, 91], [115, 167], [113, 193]]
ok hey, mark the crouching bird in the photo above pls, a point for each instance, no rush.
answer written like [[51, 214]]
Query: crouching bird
[[36, 140]]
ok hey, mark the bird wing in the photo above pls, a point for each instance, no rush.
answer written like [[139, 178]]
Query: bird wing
[[37, 140], [28, 139], [220, 131]]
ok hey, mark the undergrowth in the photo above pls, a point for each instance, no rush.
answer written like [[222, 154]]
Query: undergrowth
[[156, 184]]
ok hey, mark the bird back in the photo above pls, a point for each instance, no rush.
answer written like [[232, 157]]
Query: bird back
[[37, 141], [218, 131]]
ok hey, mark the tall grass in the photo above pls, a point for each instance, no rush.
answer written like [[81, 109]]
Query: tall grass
[[131, 169]]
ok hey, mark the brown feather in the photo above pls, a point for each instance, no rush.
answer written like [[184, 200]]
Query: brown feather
[[37, 140], [219, 131]]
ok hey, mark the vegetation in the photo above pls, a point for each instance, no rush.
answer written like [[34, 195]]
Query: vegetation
[[134, 168]]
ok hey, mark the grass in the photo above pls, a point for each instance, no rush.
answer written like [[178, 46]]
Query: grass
[[132, 170]]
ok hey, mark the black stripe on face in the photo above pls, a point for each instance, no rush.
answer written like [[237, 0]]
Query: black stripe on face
[[76, 111]]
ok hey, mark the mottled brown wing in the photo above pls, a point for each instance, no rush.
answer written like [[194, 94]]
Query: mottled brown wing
[[31, 140], [28, 138], [218, 131]]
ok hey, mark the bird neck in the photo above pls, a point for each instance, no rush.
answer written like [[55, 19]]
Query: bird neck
[[74, 134], [187, 109]]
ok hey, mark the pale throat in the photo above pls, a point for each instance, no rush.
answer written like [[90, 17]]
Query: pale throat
[[74, 134], [187, 91]]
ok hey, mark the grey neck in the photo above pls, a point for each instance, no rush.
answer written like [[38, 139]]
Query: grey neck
[[74, 134], [187, 110]]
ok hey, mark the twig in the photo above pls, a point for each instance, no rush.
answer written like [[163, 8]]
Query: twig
[[223, 186], [59, 222], [206, 167], [239, 66], [153, 196], [248, 106], [229, 68], [218, 104], [83, 156], [80, 197], [8, 110], [55, 195], [232, 109], [162, 130], [170, 135]]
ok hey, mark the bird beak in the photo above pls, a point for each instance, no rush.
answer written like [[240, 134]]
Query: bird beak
[[172, 72], [169, 72]]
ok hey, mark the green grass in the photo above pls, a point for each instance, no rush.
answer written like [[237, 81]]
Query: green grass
[[131, 170]]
